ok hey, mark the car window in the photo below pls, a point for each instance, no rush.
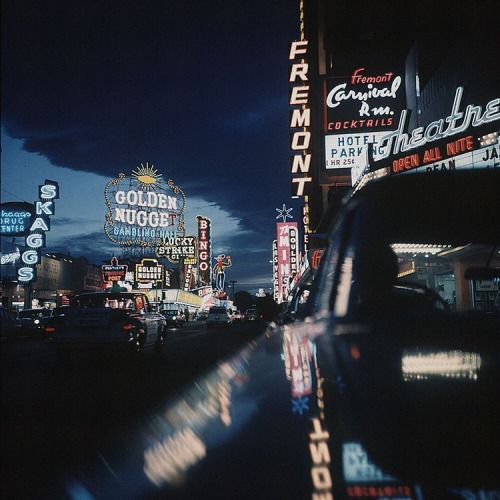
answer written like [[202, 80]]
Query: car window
[[217, 310], [395, 260]]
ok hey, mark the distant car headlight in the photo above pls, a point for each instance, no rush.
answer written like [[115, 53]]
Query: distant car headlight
[[37, 321]]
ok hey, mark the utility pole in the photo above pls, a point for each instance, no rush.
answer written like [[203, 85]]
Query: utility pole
[[232, 282]]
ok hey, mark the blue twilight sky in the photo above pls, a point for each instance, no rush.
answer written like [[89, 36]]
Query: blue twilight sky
[[199, 89]]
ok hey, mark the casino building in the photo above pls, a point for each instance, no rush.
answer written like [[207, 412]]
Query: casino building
[[427, 77]]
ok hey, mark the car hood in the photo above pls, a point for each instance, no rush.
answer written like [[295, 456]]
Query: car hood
[[327, 409]]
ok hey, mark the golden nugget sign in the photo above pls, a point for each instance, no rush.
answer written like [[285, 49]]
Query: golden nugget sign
[[149, 271], [143, 209]]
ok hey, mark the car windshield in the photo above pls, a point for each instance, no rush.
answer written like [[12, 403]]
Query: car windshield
[[101, 300]]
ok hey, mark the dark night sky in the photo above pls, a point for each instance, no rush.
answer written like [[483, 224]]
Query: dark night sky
[[198, 88]]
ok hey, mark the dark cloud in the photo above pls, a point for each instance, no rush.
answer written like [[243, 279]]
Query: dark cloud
[[197, 88]]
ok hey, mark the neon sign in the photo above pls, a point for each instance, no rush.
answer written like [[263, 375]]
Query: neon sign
[[275, 271], [149, 271], [114, 271], [223, 261], [143, 209], [35, 240], [178, 247], [300, 118], [363, 101], [284, 213], [205, 249], [11, 258], [473, 116], [15, 218]]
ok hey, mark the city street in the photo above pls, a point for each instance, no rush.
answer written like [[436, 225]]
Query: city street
[[58, 406]]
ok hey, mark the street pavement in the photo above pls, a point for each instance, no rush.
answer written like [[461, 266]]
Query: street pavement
[[59, 407]]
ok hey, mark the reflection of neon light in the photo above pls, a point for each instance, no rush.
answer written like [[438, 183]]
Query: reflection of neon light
[[225, 402], [357, 467], [167, 460], [300, 405], [320, 455], [344, 288], [450, 364]]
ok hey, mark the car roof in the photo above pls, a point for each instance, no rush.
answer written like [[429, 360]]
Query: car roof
[[439, 206]]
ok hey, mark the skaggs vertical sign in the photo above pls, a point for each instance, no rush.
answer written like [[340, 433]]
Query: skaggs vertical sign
[[204, 249], [35, 240]]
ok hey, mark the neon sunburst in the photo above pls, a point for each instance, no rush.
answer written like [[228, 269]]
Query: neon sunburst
[[147, 177]]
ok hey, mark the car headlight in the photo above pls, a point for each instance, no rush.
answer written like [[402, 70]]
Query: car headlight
[[37, 321]]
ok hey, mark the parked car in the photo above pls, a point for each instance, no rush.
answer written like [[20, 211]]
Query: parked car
[[381, 392], [10, 324], [237, 316], [34, 320], [202, 316], [174, 317], [252, 314], [117, 319], [218, 316]]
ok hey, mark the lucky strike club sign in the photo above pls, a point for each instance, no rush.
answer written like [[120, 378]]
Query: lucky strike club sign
[[178, 247], [143, 209]]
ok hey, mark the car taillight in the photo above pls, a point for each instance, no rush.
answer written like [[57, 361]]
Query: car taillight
[[127, 327], [49, 329]]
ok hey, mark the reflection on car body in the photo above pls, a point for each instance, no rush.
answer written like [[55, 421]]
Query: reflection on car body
[[118, 319], [389, 389], [33, 320], [10, 323]]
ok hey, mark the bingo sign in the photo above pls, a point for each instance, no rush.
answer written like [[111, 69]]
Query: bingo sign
[[35, 239], [143, 209], [360, 110], [15, 218], [149, 271], [204, 249], [114, 271]]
